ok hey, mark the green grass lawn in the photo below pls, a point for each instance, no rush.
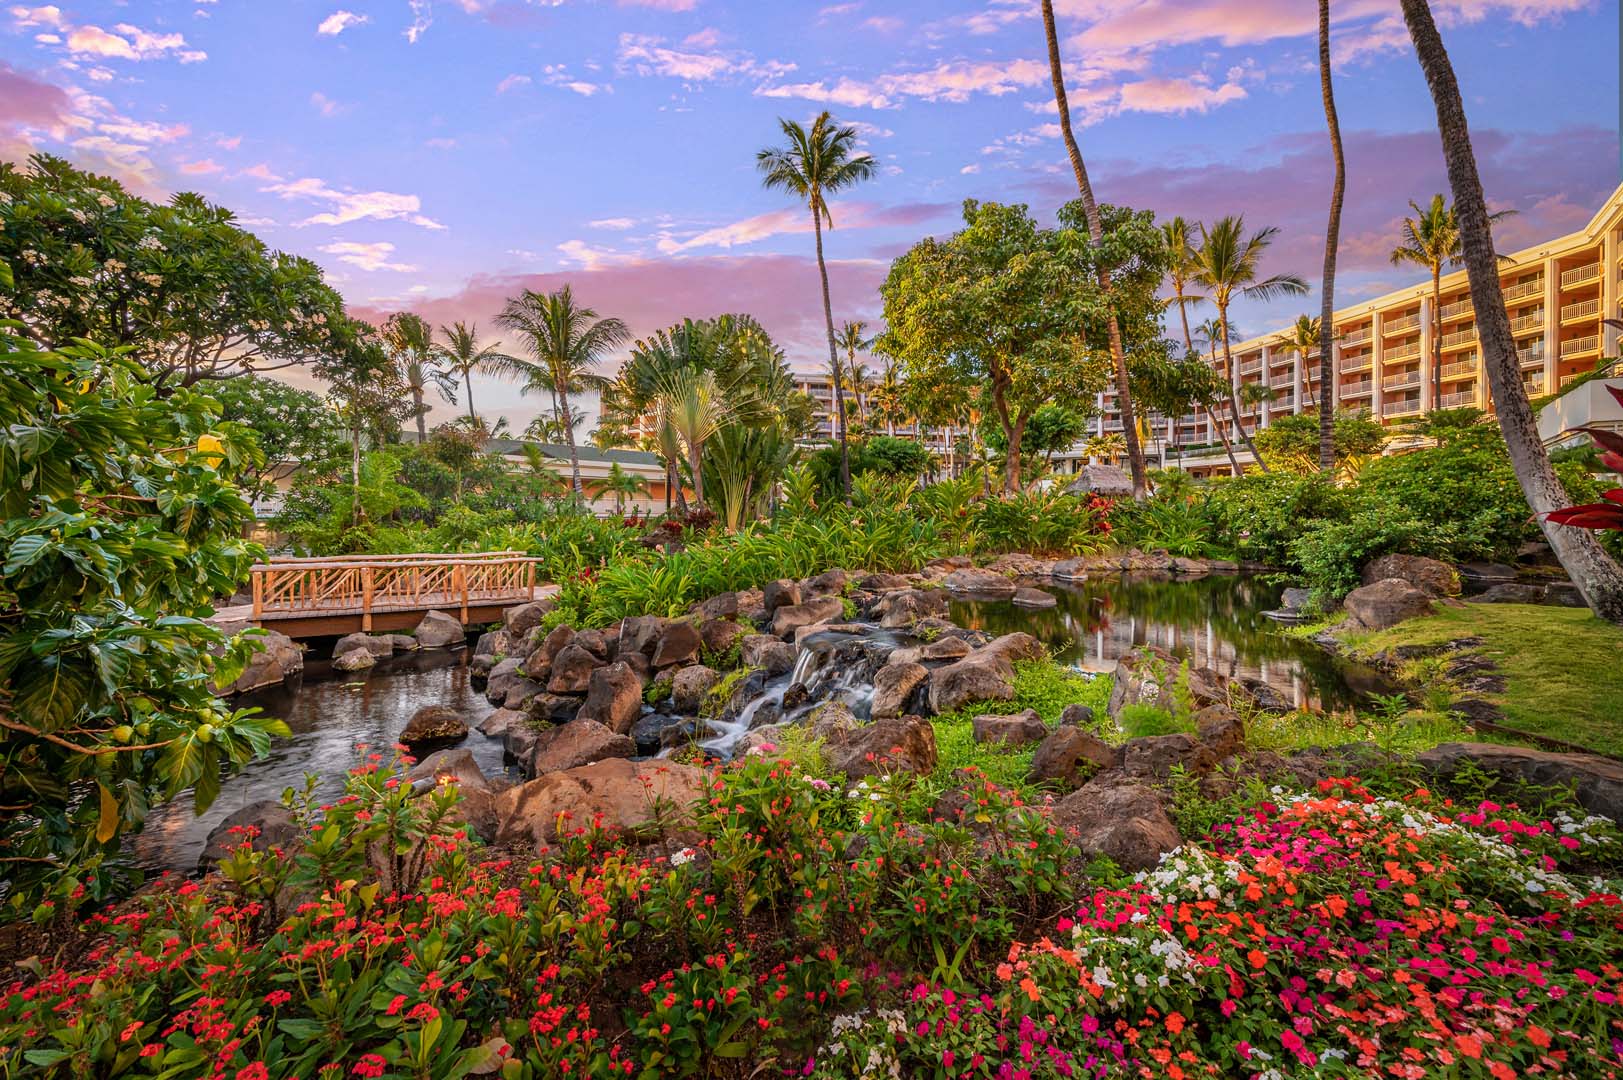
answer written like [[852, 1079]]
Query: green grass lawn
[[1563, 667]]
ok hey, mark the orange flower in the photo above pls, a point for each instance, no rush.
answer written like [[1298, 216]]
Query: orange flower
[[1174, 1022], [1029, 987], [1538, 1037], [1005, 972], [1258, 958]]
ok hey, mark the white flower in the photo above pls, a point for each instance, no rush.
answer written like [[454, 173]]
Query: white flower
[[683, 857]]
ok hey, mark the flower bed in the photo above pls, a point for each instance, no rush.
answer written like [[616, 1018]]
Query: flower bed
[[819, 928]]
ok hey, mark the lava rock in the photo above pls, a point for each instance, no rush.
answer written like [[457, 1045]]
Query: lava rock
[[580, 742], [543, 708], [1069, 755], [271, 822], [779, 593], [1017, 729], [276, 658], [1434, 578], [621, 794], [376, 644], [355, 660], [719, 635], [496, 724], [1036, 599], [904, 607], [1510, 592], [893, 686], [767, 653], [433, 725], [1123, 821], [691, 686], [1595, 781], [1385, 604], [786, 619], [721, 606], [903, 744], [828, 583], [988, 584], [478, 797], [520, 620], [439, 631], [613, 698], [1076, 716], [572, 670], [679, 643]]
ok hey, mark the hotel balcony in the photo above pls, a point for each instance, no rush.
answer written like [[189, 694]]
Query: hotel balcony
[[1457, 401], [1402, 352], [1251, 367], [1534, 386], [1459, 338], [1460, 369], [1578, 275], [1350, 364], [1401, 408], [1580, 346], [1282, 382], [1529, 355], [1535, 287], [1400, 326], [1533, 321], [1362, 388], [1582, 309], [1567, 380], [1456, 309], [1356, 337], [1401, 382]]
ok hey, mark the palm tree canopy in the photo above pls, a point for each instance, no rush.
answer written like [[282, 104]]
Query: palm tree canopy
[[568, 340], [1228, 262], [1181, 257], [1302, 337], [410, 340], [459, 348], [1431, 235], [815, 163]]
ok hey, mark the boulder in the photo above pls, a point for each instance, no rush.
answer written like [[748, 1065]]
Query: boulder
[[1190, 568], [1014, 647], [617, 793], [947, 564], [903, 607], [828, 583], [767, 653], [1596, 782], [1156, 756], [721, 606], [519, 740], [678, 643], [1069, 570], [600, 643], [719, 635], [265, 825], [1296, 600], [880, 583], [1564, 594], [404, 642], [433, 725], [893, 686], [613, 698], [798, 638], [357, 659], [1068, 755], [520, 620], [779, 593], [437, 630], [1510, 592], [572, 670], [986, 674], [639, 665], [478, 799], [1018, 729], [691, 686], [1036, 599], [1487, 571], [1076, 716], [543, 708], [1434, 578], [640, 634], [577, 743], [942, 648], [1149, 675], [496, 724], [497, 642], [376, 644], [276, 658], [988, 584], [648, 732], [539, 663], [1385, 604], [1220, 732], [502, 676], [890, 745], [1123, 821], [519, 693], [788, 618]]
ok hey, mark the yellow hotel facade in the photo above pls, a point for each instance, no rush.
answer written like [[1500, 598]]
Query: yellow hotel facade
[[1556, 293]]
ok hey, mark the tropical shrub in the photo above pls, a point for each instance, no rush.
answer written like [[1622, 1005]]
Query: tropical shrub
[[1040, 522], [120, 521]]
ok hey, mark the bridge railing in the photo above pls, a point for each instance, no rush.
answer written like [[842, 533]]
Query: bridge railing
[[364, 585]]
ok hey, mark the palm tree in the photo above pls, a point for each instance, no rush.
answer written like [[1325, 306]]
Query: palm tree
[[1181, 258], [1090, 209], [568, 341], [1431, 239], [1598, 578], [460, 351], [1107, 448], [694, 406], [621, 484], [1301, 339], [1226, 266], [410, 341], [1208, 390], [1332, 238], [814, 165]]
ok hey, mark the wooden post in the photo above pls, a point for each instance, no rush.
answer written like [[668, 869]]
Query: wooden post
[[529, 579], [366, 598], [460, 578], [259, 594]]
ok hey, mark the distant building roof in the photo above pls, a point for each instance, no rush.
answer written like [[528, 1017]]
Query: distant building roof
[[561, 453], [1098, 479]]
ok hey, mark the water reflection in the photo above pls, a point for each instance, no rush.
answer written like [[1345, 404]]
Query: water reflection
[[329, 714], [1214, 622]]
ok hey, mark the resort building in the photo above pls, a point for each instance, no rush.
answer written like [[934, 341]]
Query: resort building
[[1386, 349]]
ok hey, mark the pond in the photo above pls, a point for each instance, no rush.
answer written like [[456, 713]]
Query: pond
[[1214, 622], [330, 714]]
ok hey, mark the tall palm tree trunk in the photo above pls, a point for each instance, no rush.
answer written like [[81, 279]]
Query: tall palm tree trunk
[[467, 382], [562, 393], [1118, 357], [1332, 239], [1217, 426], [1598, 578], [355, 476], [833, 359], [417, 400], [1234, 401], [1183, 313]]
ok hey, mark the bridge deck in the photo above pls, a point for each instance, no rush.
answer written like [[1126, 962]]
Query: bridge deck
[[321, 597]]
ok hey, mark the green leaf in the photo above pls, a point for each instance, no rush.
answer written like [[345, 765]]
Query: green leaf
[[107, 822]]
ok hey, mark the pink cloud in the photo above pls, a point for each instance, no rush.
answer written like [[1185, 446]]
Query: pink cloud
[[954, 81], [200, 168], [797, 220], [29, 102]]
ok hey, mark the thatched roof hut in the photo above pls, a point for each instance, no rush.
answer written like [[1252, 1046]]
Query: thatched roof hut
[[1099, 479]]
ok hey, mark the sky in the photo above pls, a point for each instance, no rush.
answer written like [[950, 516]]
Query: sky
[[440, 155]]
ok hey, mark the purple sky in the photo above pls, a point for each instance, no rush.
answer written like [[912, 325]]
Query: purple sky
[[439, 155]]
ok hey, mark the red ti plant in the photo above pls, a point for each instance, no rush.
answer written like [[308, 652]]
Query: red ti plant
[[1606, 515]]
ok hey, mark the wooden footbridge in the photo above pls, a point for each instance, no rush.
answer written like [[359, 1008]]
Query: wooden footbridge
[[321, 597]]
